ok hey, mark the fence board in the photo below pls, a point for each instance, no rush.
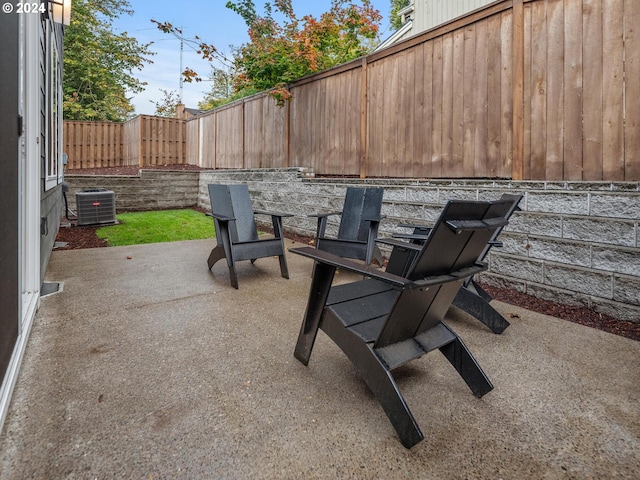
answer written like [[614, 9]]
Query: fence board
[[573, 93], [482, 72], [207, 143], [592, 80], [437, 111], [192, 132], [612, 88], [375, 112], [448, 105], [453, 111], [494, 103], [469, 100], [229, 137], [538, 90], [632, 89], [554, 94]]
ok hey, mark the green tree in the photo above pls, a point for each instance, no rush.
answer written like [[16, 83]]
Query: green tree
[[168, 104], [396, 6], [222, 89], [99, 63], [281, 51]]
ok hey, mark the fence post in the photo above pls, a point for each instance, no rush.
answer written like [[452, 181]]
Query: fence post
[[287, 134], [517, 166], [140, 141]]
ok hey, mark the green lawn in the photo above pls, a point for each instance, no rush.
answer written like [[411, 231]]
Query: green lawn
[[157, 226]]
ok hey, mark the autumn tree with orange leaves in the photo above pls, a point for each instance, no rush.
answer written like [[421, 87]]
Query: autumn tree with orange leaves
[[283, 47]]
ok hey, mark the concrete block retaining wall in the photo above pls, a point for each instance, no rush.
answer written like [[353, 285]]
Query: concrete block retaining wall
[[151, 190], [574, 243]]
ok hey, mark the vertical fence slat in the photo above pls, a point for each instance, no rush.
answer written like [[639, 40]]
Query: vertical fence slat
[[612, 88], [632, 89], [554, 94], [573, 92]]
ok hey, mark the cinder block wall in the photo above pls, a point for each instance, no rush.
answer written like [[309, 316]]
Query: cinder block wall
[[151, 190], [572, 242]]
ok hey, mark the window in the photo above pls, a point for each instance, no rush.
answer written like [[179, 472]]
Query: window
[[53, 148]]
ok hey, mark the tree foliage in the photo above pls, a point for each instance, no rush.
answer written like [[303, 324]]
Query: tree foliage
[[283, 47], [396, 6], [99, 63], [168, 104], [281, 52], [222, 89]]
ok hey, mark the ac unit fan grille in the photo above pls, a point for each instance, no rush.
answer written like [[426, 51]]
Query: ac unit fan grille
[[96, 207]]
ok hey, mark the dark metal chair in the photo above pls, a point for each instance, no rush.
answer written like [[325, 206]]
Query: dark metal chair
[[237, 233], [387, 320], [359, 222], [471, 298]]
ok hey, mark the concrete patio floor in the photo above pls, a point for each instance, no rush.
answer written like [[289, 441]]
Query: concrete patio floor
[[146, 365]]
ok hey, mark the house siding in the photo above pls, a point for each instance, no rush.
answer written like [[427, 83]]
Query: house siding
[[30, 194]]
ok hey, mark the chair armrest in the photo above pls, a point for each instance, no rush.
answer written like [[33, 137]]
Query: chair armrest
[[398, 243], [462, 225], [339, 262], [221, 218], [410, 236], [273, 214], [328, 214], [415, 225], [457, 275]]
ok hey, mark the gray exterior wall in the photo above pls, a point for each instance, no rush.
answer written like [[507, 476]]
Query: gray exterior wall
[[573, 243], [51, 210]]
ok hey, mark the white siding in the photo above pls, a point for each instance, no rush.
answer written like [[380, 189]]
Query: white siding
[[428, 14], [431, 13]]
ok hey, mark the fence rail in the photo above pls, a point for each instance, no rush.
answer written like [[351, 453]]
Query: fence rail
[[522, 89]]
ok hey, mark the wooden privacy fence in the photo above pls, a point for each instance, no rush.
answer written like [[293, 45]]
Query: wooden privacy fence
[[143, 141], [522, 89]]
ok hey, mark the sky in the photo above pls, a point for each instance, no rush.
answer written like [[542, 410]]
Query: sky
[[213, 23]]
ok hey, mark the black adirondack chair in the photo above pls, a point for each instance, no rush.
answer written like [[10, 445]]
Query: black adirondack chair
[[387, 320], [236, 231], [359, 222], [471, 297]]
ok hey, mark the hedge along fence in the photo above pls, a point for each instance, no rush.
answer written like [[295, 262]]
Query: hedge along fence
[[537, 89]]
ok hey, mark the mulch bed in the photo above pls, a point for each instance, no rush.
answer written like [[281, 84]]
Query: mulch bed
[[85, 237]]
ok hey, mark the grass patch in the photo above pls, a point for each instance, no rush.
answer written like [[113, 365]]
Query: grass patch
[[156, 227]]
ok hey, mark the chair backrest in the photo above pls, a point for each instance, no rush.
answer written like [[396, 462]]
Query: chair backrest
[[455, 243], [515, 199], [360, 203], [234, 201]]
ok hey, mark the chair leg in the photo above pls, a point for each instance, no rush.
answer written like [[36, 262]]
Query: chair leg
[[476, 306], [379, 380], [216, 254], [318, 293], [284, 270], [464, 363], [478, 290]]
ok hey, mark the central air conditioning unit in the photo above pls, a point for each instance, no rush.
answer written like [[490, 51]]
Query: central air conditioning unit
[[96, 206]]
